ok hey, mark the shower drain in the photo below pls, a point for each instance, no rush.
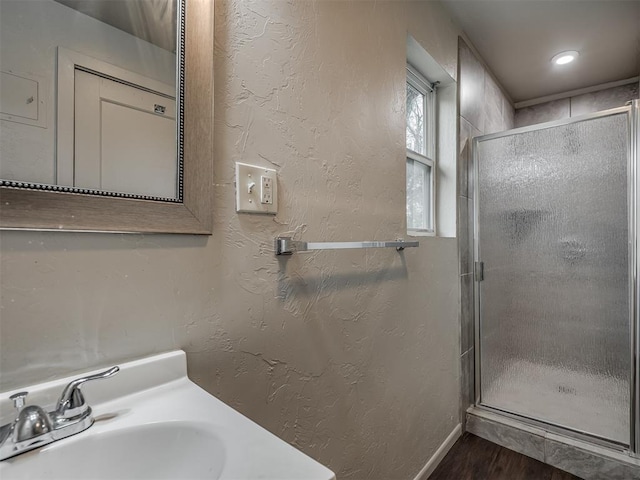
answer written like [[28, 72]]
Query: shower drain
[[566, 389]]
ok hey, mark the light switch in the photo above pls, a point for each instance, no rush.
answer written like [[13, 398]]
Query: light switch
[[256, 189]]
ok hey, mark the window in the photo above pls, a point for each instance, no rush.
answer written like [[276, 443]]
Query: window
[[421, 149]]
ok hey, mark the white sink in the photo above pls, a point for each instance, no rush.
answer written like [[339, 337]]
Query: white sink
[[156, 451], [152, 422]]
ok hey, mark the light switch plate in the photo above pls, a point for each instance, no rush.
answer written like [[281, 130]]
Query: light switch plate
[[251, 196]]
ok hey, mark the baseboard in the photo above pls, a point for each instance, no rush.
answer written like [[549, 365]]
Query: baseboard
[[437, 457]]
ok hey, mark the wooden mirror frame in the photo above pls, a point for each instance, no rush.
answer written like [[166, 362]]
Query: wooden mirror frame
[[22, 209]]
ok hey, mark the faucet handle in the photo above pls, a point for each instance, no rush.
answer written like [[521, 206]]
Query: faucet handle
[[19, 399], [31, 422], [72, 402]]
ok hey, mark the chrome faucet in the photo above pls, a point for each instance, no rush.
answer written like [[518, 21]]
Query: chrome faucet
[[35, 427]]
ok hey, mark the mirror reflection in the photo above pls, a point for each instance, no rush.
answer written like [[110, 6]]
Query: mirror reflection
[[88, 96]]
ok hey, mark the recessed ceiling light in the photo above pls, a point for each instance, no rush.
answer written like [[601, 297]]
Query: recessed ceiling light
[[565, 57]]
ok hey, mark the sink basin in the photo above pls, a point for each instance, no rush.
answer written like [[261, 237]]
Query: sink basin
[[152, 422], [156, 451]]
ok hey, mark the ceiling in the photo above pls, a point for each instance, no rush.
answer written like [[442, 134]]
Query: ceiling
[[517, 38], [150, 20]]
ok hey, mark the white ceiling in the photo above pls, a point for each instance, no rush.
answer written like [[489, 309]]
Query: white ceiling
[[517, 39]]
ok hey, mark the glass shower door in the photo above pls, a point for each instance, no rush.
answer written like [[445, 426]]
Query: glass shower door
[[552, 232]]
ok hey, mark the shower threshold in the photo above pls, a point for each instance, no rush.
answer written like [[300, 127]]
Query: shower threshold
[[580, 457]]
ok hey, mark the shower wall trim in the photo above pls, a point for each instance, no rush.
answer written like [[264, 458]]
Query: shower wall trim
[[634, 222]]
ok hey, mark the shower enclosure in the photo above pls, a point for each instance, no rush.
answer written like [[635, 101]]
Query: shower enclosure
[[556, 267]]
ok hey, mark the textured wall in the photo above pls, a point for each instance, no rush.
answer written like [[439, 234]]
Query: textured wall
[[352, 356], [484, 109]]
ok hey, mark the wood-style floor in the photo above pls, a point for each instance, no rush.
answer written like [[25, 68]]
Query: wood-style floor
[[474, 458]]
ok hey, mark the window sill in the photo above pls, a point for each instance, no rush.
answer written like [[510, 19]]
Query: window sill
[[419, 233]]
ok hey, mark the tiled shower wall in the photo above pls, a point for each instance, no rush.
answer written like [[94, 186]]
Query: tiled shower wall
[[483, 109], [577, 105]]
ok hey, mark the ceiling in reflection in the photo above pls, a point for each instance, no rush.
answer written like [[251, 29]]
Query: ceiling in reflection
[[150, 20]]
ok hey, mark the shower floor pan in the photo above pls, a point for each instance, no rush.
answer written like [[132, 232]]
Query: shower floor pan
[[588, 403]]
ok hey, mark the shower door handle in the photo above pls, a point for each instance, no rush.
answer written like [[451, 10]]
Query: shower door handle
[[478, 269]]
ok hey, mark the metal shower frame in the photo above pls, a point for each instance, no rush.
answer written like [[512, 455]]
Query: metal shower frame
[[633, 203]]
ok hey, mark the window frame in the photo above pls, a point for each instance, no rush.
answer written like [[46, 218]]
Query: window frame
[[428, 90]]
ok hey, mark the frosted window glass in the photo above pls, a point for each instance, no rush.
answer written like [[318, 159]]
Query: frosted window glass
[[554, 301], [418, 195]]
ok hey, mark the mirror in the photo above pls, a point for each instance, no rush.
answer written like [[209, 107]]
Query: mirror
[[88, 98], [41, 188]]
